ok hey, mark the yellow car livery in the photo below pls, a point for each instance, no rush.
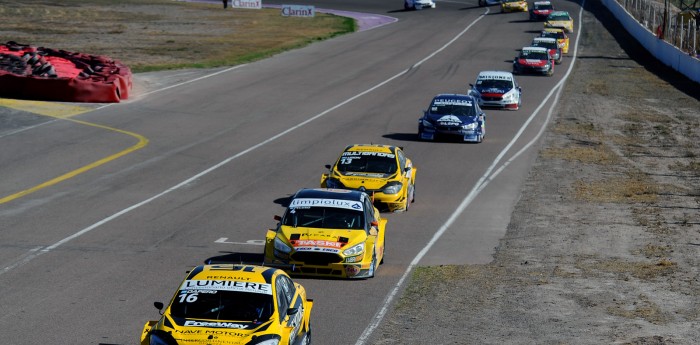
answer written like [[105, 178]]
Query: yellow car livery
[[233, 305], [329, 233], [382, 171], [560, 19], [560, 35], [514, 6]]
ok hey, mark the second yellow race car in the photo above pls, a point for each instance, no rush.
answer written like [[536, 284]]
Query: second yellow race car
[[560, 35], [382, 171], [560, 19], [328, 233], [514, 6], [233, 304]]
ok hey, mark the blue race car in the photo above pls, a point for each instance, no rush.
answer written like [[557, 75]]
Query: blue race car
[[453, 115]]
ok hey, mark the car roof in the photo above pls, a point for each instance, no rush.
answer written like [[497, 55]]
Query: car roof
[[371, 148], [329, 193], [536, 49], [454, 96], [556, 13], [555, 30], [233, 272], [545, 39], [542, 3], [495, 75]]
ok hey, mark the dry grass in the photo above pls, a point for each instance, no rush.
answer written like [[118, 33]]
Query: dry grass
[[633, 188], [163, 34], [598, 154]]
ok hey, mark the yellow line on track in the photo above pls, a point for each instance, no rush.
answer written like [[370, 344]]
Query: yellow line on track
[[64, 112]]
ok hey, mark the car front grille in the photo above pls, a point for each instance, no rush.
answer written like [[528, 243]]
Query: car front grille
[[316, 259]]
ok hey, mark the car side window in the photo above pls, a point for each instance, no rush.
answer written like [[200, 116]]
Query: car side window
[[283, 300], [369, 214], [402, 160]]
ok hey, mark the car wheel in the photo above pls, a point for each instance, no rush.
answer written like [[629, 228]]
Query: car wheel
[[307, 341], [405, 6], [482, 3]]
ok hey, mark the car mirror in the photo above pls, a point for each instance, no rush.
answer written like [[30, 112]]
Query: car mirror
[[277, 218], [159, 306], [328, 166], [292, 311]]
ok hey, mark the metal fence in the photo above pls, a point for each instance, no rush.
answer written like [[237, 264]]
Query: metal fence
[[667, 22]]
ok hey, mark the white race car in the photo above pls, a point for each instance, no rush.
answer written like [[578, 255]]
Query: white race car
[[496, 89], [418, 4]]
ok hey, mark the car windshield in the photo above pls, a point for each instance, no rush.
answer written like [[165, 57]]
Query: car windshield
[[558, 16], [324, 217], [449, 106], [544, 44], [367, 162], [493, 84], [222, 305], [534, 55]]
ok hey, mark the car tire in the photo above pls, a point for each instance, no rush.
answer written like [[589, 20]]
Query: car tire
[[482, 3], [308, 335], [405, 6]]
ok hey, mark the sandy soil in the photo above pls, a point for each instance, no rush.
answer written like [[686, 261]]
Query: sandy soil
[[603, 245]]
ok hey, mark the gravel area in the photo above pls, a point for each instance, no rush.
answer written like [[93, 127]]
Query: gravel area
[[603, 245]]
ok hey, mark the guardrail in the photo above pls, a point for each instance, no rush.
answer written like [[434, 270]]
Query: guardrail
[[667, 35]]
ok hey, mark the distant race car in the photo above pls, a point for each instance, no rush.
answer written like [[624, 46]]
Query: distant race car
[[418, 4], [233, 304], [453, 115], [560, 19], [382, 171], [551, 44], [560, 35], [483, 3], [333, 233], [514, 6], [540, 10], [535, 60], [496, 89]]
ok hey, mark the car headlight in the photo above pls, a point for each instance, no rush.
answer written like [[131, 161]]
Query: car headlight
[[510, 96], [426, 123], [392, 188], [161, 338], [266, 339], [269, 342], [470, 126], [355, 250], [281, 246]]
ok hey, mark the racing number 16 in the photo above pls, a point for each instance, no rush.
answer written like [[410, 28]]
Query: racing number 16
[[188, 297]]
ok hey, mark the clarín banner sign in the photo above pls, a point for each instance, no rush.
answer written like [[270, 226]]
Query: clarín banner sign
[[298, 11]]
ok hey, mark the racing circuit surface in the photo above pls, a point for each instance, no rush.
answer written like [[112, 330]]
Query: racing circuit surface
[[196, 172]]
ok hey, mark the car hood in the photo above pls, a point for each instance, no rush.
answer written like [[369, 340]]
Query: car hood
[[450, 120], [358, 180], [195, 331], [322, 240], [492, 91]]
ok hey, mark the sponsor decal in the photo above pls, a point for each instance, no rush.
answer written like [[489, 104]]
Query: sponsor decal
[[311, 202], [493, 77], [226, 285], [192, 323], [449, 101], [371, 175], [450, 120], [368, 153], [317, 243], [252, 4], [298, 11], [352, 270]]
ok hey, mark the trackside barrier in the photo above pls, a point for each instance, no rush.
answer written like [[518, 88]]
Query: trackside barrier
[[674, 42], [28, 72]]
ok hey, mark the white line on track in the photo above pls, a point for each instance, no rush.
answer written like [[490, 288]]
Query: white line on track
[[488, 176], [27, 257]]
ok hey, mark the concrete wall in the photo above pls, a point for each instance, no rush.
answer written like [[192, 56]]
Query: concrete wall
[[662, 50]]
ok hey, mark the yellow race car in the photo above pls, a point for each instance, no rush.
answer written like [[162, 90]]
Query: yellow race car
[[383, 171], [514, 6], [560, 35], [333, 233], [560, 19], [233, 304]]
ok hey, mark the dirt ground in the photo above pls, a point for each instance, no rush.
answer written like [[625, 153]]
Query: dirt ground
[[603, 246]]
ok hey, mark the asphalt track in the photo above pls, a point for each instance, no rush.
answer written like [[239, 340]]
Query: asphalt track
[[194, 171]]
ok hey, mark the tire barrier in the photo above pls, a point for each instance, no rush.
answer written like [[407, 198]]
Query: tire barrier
[[39, 73]]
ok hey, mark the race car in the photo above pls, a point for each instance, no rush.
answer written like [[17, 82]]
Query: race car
[[513, 6], [334, 233], [560, 19], [382, 171], [233, 304], [453, 115], [540, 10], [560, 35], [534, 60], [551, 44], [496, 89], [418, 4]]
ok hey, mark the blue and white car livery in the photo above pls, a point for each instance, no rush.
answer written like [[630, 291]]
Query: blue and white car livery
[[496, 89], [453, 115], [418, 4]]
